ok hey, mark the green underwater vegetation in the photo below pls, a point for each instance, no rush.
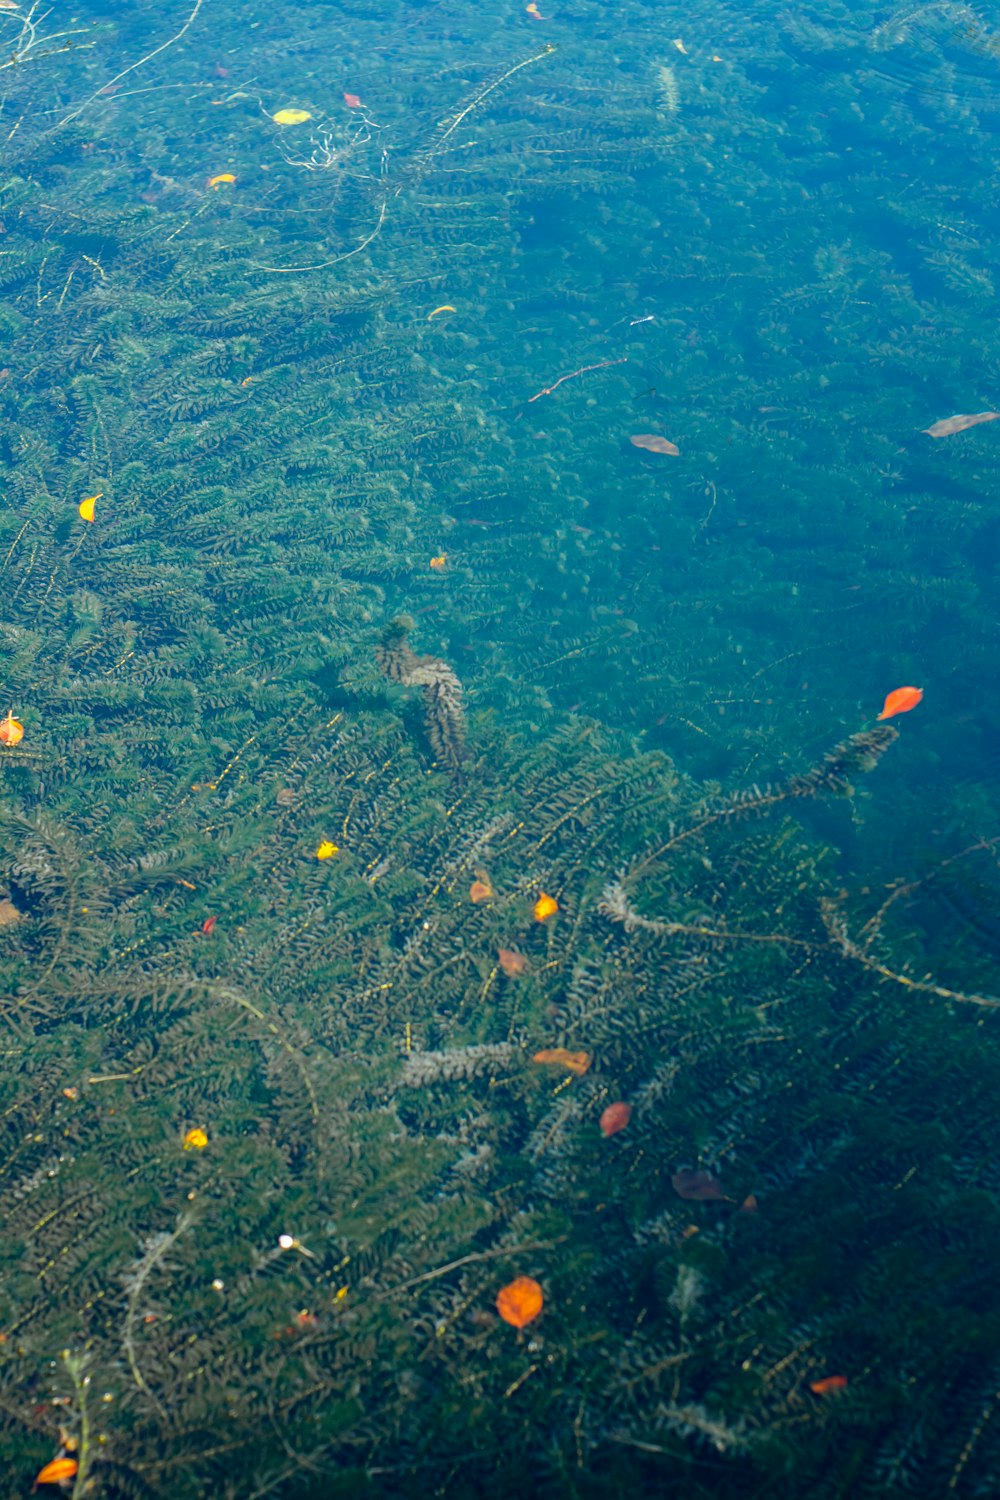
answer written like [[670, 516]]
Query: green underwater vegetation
[[378, 601]]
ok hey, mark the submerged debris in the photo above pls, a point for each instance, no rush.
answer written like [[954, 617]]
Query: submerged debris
[[444, 716]]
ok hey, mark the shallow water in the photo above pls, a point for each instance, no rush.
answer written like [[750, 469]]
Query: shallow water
[[390, 372]]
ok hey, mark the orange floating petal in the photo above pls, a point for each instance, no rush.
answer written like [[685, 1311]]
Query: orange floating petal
[[195, 1140], [520, 1302], [559, 1057], [512, 962], [439, 563], [352, 101], [57, 1471], [827, 1384], [11, 731], [481, 889], [900, 701], [545, 907]]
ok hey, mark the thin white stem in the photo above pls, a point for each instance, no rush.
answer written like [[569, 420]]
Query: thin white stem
[[74, 113]]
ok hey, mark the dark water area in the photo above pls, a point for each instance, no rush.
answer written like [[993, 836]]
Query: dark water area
[[489, 1006]]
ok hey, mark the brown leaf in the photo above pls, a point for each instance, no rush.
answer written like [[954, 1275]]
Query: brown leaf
[[949, 425], [573, 1062], [654, 444], [481, 889], [698, 1187], [512, 962]]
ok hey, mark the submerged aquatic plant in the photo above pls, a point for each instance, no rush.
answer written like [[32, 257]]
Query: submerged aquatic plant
[[307, 1294]]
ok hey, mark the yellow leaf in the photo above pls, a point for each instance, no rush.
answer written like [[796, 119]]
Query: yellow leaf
[[291, 116], [195, 1140], [214, 182], [545, 907], [326, 850], [445, 307], [87, 506]]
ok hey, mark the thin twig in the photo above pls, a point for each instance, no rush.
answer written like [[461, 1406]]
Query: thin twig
[[605, 364], [466, 1260], [75, 113]]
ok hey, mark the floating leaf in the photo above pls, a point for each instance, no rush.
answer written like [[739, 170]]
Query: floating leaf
[[698, 1187], [291, 116], [573, 1062], [949, 425], [520, 1302], [57, 1471], [11, 731], [615, 1118], [654, 444], [827, 1384], [900, 701], [511, 962]]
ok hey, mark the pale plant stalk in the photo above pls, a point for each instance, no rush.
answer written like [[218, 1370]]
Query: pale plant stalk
[[31, 43]]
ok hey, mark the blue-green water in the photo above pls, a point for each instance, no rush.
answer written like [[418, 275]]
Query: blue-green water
[[382, 630]]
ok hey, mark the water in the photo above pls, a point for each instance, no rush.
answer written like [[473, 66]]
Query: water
[[380, 610]]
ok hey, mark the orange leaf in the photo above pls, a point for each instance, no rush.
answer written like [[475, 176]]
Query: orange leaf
[[57, 1471], [11, 731], [827, 1384], [545, 907], [573, 1062], [900, 701], [520, 1302], [512, 962], [615, 1118]]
